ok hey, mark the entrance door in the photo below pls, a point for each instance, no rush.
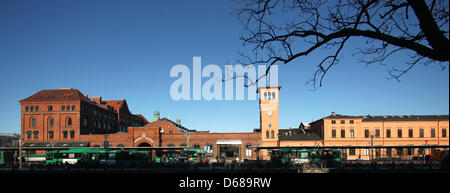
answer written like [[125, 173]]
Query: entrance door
[[228, 152]]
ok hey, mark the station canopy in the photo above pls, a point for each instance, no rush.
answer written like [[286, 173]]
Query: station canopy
[[56, 144]]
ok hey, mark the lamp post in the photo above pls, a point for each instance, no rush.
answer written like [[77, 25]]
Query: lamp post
[[371, 147], [20, 152]]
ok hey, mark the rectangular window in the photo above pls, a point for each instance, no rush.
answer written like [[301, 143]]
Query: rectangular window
[[421, 151], [433, 132], [50, 134], [421, 133], [410, 151], [333, 133], [410, 133], [342, 121], [333, 121], [28, 134], [399, 133], [366, 133], [49, 107], [343, 133], [444, 132], [65, 134], [36, 134], [388, 152], [352, 133], [72, 134], [248, 150], [377, 133], [352, 121], [388, 133], [399, 151], [366, 151], [352, 151]]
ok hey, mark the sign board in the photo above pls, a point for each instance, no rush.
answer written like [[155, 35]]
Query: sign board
[[229, 141]]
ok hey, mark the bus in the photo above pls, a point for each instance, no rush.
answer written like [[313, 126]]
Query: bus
[[302, 157], [81, 156], [195, 156]]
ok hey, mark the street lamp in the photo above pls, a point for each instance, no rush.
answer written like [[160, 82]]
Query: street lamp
[[20, 152], [371, 147]]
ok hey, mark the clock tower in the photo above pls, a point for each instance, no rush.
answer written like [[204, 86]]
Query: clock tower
[[268, 109]]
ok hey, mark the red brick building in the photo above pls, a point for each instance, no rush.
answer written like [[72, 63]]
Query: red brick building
[[67, 117]]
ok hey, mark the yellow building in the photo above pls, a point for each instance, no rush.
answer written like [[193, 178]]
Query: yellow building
[[352, 131]]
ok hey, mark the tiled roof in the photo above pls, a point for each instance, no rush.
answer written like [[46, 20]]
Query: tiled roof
[[57, 95], [390, 117], [116, 104], [301, 137], [406, 118], [142, 117]]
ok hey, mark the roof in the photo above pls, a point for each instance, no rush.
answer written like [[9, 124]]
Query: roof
[[369, 118], [406, 118], [116, 104], [143, 118], [180, 127], [301, 137], [57, 95]]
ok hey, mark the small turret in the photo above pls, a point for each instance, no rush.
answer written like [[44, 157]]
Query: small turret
[[178, 121], [155, 116]]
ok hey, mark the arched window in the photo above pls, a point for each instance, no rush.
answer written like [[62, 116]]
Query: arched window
[[267, 134], [68, 107], [37, 108], [265, 95], [273, 134], [273, 95], [31, 108], [62, 108], [73, 107], [69, 122], [26, 108], [333, 133], [65, 134], [49, 108], [51, 122]]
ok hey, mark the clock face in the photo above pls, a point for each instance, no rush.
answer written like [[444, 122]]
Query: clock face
[[269, 113]]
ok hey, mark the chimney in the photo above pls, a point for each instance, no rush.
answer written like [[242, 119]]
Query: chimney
[[97, 99], [333, 113]]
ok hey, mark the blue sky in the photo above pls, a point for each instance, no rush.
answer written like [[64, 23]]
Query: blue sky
[[125, 49]]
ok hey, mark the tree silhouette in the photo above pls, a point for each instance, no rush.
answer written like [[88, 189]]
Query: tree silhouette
[[413, 27]]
